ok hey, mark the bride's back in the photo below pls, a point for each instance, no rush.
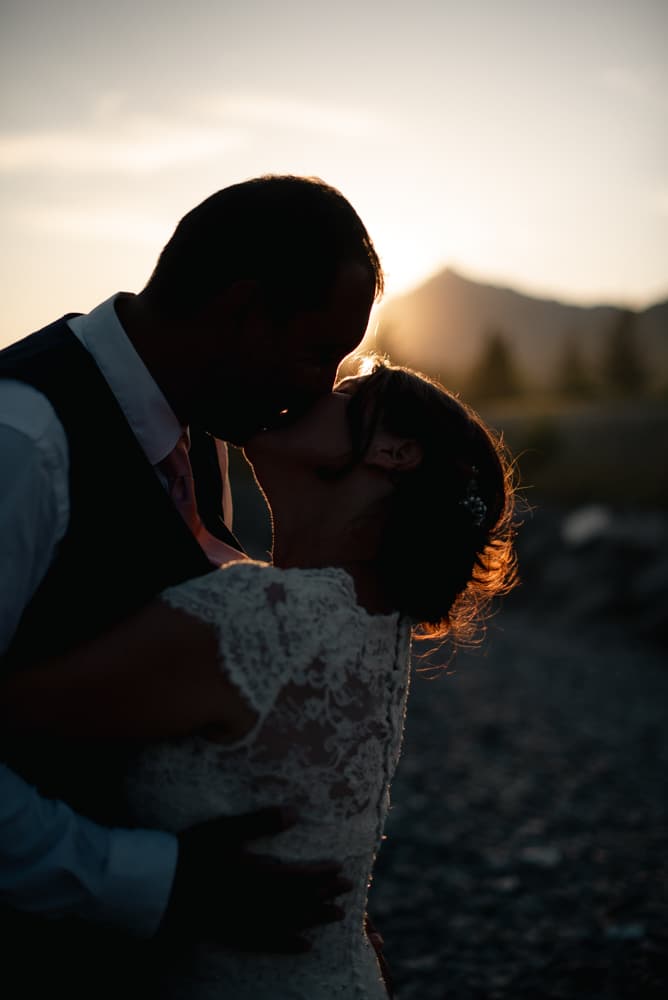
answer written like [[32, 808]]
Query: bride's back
[[328, 682]]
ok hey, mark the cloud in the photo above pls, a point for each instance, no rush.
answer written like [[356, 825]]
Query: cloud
[[135, 145], [93, 223], [290, 113], [118, 139]]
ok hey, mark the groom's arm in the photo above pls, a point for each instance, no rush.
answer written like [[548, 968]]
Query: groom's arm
[[34, 504], [155, 676], [221, 889], [34, 514], [55, 863], [52, 861]]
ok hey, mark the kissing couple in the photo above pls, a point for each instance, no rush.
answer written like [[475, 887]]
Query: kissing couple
[[199, 746]]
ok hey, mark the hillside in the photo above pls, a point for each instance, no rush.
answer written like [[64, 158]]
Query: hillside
[[441, 325]]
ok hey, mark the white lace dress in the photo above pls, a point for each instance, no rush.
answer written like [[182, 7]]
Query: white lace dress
[[329, 683]]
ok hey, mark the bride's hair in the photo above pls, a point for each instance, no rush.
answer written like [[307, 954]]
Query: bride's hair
[[448, 548]]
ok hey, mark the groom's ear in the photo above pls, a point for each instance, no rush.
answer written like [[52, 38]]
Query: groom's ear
[[232, 306], [393, 453]]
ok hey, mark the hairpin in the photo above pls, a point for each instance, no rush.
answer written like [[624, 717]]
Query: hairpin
[[473, 502]]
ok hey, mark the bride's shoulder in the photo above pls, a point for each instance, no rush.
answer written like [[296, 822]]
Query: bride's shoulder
[[255, 583], [253, 606], [322, 583]]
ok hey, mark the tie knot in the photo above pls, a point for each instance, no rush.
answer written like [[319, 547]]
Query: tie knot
[[177, 463]]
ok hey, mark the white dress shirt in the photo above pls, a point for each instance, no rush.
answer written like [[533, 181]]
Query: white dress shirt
[[53, 861]]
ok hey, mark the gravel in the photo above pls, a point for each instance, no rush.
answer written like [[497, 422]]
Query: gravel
[[526, 852]]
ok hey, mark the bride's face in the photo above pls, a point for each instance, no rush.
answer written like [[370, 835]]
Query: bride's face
[[318, 440]]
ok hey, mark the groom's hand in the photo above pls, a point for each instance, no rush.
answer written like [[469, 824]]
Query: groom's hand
[[224, 892]]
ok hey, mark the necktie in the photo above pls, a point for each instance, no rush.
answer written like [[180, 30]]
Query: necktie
[[181, 487]]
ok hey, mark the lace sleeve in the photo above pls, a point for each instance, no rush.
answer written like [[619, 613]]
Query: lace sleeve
[[267, 622]]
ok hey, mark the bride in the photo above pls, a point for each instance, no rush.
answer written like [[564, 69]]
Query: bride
[[392, 510]]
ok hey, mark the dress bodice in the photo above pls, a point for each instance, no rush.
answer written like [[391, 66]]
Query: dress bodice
[[328, 682]]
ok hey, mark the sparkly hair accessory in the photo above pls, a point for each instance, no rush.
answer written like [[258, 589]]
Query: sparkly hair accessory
[[473, 502]]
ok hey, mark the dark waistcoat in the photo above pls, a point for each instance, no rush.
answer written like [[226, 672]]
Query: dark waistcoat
[[125, 542]]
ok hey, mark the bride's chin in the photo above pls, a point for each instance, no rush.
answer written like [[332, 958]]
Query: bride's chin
[[262, 457], [254, 444]]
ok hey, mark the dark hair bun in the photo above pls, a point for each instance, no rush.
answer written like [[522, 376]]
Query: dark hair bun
[[453, 515]]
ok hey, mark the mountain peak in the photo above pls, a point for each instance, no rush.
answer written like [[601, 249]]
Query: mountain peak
[[442, 325]]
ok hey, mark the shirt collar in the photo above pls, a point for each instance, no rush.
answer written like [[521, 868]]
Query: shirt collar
[[148, 413]]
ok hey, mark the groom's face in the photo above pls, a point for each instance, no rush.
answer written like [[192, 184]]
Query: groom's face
[[272, 373]]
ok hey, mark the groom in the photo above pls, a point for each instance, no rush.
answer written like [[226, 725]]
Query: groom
[[261, 291]]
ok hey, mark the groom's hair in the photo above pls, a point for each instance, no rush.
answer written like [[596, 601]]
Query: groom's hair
[[289, 234]]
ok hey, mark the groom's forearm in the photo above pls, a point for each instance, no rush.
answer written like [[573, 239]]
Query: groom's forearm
[[153, 677]]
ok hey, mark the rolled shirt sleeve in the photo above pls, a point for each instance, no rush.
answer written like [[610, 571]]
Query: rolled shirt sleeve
[[56, 863]]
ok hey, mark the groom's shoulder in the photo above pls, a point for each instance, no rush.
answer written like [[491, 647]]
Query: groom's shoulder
[[24, 405], [53, 361], [26, 410], [55, 335]]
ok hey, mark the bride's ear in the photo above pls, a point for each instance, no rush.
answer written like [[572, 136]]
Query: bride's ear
[[393, 453]]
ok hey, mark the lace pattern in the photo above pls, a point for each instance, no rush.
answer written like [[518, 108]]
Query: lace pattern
[[260, 613], [329, 683]]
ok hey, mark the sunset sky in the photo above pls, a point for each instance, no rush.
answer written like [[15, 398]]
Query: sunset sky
[[523, 142]]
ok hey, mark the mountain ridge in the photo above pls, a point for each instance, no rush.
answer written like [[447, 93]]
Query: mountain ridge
[[441, 326]]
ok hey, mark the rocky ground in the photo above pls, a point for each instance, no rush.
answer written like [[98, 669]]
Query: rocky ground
[[527, 846]]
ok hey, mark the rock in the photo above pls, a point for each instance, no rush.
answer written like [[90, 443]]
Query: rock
[[541, 855], [625, 932], [585, 524]]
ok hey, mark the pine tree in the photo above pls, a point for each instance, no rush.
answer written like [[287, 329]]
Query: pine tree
[[495, 374], [572, 377], [623, 370]]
